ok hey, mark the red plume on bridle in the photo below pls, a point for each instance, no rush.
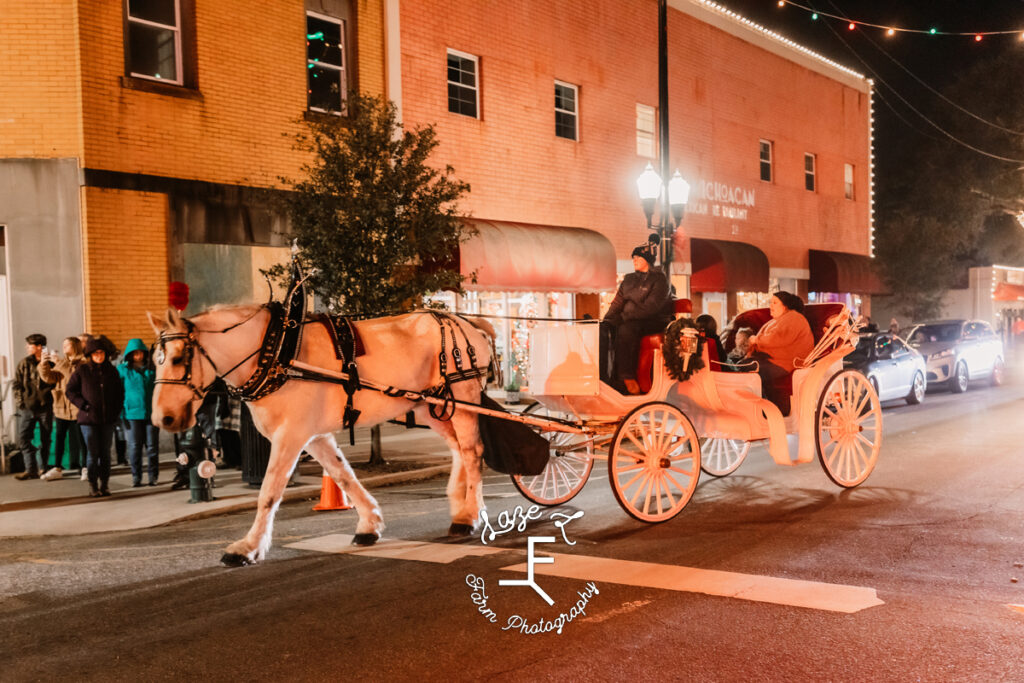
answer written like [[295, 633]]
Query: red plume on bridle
[[177, 295]]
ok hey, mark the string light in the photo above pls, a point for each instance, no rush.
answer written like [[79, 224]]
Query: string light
[[852, 24]]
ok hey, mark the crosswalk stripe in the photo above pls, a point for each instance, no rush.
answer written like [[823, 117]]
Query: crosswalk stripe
[[830, 597], [811, 594], [396, 549]]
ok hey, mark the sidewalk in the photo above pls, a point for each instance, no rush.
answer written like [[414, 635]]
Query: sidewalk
[[41, 508]]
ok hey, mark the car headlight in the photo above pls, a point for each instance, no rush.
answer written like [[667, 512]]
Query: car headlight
[[941, 354]]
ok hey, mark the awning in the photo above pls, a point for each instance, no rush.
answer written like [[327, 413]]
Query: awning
[[836, 271], [1005, 291], [723, 266], [519, 257]]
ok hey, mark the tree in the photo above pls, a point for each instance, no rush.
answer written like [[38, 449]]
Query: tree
[[375, 224], [942, 207]]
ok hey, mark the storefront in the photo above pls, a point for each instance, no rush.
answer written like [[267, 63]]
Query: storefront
[[838, 277], [517, 272]]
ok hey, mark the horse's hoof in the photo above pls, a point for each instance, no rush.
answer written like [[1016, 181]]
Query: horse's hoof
[[365, 539], [460, 529], [234, 560]]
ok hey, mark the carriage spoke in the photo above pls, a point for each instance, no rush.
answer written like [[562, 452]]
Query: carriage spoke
[[673, 480], [668, 491], [688, 473], [647, 494], [639, 445], [633, 479], [657, 494]]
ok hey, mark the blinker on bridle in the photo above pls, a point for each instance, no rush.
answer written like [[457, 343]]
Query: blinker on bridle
[[191, 344]]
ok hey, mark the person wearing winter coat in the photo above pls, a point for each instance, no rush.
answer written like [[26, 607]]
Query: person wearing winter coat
[[640, 307], [95, 388], [34, 401], [57, 372], [138, 379]]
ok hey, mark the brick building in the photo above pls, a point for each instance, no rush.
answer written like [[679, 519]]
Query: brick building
[[134, 148], [548, 110]]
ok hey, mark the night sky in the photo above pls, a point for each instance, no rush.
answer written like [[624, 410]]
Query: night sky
[[937, 60]]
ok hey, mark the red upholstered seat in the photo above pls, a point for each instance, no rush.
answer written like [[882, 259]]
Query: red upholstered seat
[[645, 365]]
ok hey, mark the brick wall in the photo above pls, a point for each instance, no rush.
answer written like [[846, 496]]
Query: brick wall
[[238, 127], [124, 245], [725, 94], [39, 79]]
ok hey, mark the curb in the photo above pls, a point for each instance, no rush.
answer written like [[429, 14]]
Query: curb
[[309, 492]]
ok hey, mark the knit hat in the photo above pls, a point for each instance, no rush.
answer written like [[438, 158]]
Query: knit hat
[[37, 339], [645, 252]]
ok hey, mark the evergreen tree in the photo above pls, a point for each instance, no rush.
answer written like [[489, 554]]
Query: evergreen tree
[[376, 226]]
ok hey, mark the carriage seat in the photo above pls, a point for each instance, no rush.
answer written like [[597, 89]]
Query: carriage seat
[[645, 364], [817, 316]]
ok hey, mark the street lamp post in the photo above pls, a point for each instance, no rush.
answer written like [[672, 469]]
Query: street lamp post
[[673, 195]]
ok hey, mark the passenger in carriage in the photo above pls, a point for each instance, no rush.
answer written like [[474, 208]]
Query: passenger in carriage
[[783, 339], [742, 349], [709, 326], [641, 306]]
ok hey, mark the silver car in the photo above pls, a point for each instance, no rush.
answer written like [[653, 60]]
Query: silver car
[[894, 369], [958, 351]]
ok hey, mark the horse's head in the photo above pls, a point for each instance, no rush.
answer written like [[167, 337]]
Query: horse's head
[[179, 373]]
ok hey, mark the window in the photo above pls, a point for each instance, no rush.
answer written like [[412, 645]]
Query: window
[[766, 160], [463, 88], [809, 161], [154, 40], [326, 78], [645, 140], [848, 181], [566, 110]]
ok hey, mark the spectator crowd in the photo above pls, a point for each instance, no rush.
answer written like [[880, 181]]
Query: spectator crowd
[[86, 402]]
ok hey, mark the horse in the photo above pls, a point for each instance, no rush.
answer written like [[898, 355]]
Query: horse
[[400, 351]]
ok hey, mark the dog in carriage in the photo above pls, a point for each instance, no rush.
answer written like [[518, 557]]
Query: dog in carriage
[[401, 352]]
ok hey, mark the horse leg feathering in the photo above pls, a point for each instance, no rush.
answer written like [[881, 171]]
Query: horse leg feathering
[[284, 454], [325, 450]]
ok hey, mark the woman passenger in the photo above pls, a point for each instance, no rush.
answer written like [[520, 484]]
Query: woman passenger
[[783, 339]]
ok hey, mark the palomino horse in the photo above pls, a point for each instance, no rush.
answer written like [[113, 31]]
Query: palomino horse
[[401, 351]]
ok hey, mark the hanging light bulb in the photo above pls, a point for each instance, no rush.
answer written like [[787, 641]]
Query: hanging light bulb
[[977, 38], [851, 26], [890, 32]]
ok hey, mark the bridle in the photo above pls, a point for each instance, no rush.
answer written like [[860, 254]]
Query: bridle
[[191, 338]]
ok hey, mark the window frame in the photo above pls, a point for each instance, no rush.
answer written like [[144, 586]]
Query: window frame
[[575, 114], [653, 132], [811, 175], [179, 60], [768, 162], [343, 51], [848, 188], [476, 89]]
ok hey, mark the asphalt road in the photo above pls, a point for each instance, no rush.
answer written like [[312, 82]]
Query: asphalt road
[[935, 532]]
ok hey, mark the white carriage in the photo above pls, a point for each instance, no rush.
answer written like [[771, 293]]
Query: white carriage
[[656, 444]]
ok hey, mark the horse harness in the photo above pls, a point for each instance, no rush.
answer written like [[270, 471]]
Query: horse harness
[[281, 342]]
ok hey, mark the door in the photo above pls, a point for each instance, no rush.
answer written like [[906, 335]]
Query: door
[[7, 361], [905, 369], [714, 304], [886, 368]]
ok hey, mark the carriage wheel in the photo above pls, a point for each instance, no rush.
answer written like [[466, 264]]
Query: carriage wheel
[[654, 462], [719, 457], [849, 428], [570, 460]]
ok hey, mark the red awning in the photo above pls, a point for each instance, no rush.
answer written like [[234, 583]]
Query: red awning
[[722, 266], [519, 257], [836, 271], [1005, 291]]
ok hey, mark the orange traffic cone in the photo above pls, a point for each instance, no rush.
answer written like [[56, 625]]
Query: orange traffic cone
[[331, 497]]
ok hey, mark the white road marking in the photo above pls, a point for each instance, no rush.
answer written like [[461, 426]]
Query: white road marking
[[1017, 608], [396, 549], [811, 594], [830, 597]]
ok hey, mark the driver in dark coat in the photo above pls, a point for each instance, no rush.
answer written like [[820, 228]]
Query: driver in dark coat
[[640, 307]]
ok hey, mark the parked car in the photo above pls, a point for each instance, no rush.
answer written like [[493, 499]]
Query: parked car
[[894, 369], [959, 350]]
